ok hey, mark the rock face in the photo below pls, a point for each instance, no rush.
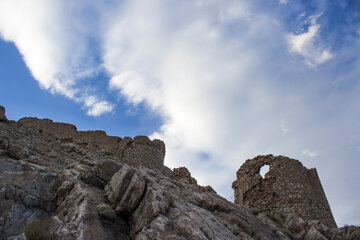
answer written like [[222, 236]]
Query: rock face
[[159, 207], [182, 174], [59, 183], [288, 187]]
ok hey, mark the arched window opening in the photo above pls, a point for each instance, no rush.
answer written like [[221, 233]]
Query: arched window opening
[[264, 170]]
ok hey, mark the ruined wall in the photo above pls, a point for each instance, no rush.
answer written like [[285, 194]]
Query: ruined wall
[[287, 187], [138, 151], [142, 151], [2, 114]]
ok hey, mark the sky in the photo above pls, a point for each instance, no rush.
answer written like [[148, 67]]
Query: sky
[[219, 81]]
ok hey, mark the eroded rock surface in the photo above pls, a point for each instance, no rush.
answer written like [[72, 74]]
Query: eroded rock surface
[[159, 207], [70, 185]]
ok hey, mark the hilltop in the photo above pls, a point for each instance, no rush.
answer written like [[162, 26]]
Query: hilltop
[[60, 183]]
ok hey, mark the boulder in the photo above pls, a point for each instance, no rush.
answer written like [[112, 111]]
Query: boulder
[[314, 234], [294, 223], [125, 190], [17, 150], [105, 169]]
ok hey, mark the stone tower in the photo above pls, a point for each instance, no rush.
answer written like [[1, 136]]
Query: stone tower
[[287, 187]]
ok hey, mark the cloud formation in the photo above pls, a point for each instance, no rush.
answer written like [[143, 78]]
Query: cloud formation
[[309, 153], [226, 86], [224, 76], [54, 44], [308, 44]]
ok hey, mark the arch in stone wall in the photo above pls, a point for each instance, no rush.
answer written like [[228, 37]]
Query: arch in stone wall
[[287, 187]]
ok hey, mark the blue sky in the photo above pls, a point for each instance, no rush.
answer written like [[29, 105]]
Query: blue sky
[[218, 81]]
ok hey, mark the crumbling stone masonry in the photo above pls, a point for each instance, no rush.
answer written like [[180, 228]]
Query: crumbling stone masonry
[[140, 151], [287, 187], [2, 114]]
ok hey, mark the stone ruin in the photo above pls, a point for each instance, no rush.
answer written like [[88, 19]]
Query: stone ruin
[[75, 184], [2, 114], [140, 151], [287, 187]]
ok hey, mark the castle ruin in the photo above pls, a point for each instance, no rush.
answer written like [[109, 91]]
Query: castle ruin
[[140, 151], [287, 187]]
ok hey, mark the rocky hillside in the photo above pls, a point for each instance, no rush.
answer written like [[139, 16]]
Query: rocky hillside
[[60, 183]]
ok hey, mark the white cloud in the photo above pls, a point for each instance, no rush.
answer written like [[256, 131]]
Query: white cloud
[[217, 72], [283, 1], [132, 84], [208, 88], [236, 10], [310, 153], [54, 45], [96, 107], [308, 44], [221, 90]]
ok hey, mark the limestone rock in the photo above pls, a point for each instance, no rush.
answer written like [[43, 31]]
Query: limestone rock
[[182, 174], [265, 220], [294, 223], [17, 150], [350, 232], [88, 185], [314, 234], [80, 217], [165, 208], [125, 190], [105, 169]]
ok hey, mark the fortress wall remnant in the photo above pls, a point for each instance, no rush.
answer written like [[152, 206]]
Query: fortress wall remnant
[[141, 149], [55, 130], [138, 151], [287, 187], [2, 114]]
